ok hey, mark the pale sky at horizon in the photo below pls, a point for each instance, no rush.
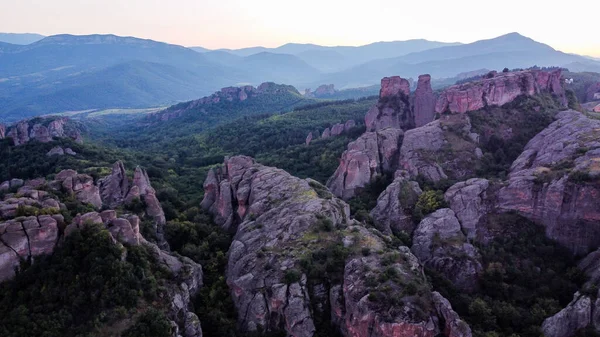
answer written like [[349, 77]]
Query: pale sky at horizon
[[569, 27]]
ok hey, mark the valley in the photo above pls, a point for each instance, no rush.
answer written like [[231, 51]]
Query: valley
[[396, 189]]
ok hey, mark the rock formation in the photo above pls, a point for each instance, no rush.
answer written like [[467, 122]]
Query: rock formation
[[326, 133], [43, 130], [424, 104], [441, 245], [578, 315], [59, 151], [440, 150], [499, 90], [228, 94], [117, 190], [393, 108], [25, 238], [324, 90], [278, 219], [393, 213], [554, 182], [2, 131], [337, 129], [468, 200], [349, 125], [114, 187], [309, 138], [371, 155]]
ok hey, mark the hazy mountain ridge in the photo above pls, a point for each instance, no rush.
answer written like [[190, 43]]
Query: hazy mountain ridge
[[62, 72], [20, 38]]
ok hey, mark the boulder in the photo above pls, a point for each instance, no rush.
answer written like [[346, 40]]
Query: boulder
[[499, 90], [56, 151], [543, 184], [371, 155], [468, 201], [424, 104], [393, 213], [43, 130], [326, 133], [393, 108], [441, 245]]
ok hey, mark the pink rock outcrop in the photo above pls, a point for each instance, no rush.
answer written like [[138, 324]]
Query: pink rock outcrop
[[393, 108], [424, 103], [566, 206], [309, 138], [326, 133], [337, 129], [372, 154], [42, 130], [501, 89], [393, 86], [2, 131]]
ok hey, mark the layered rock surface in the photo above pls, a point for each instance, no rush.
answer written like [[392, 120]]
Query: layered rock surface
[[371, 155], [502, 88], [279, 219], [554, 182]]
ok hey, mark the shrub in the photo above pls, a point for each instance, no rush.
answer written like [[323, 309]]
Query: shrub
[[429, 202], [292, 276]]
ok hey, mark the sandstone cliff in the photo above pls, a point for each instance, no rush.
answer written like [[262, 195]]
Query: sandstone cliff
[[371, 155], [282, 225], [555, 182], [393, 108], [424, 101], [502, 88]]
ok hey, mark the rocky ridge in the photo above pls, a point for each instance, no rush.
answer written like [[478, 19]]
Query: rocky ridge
[[41, 129], [500, 89], [279, 221], [31, 225], [228, 94], [555, 182]]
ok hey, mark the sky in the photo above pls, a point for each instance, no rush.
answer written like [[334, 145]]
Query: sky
[[570, 26]]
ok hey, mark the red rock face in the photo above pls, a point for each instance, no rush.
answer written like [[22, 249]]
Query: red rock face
[[499, 90], [393, 86], [424, 106]]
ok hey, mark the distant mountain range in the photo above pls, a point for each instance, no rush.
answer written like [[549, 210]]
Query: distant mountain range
[[71, 73], [21, 39]]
